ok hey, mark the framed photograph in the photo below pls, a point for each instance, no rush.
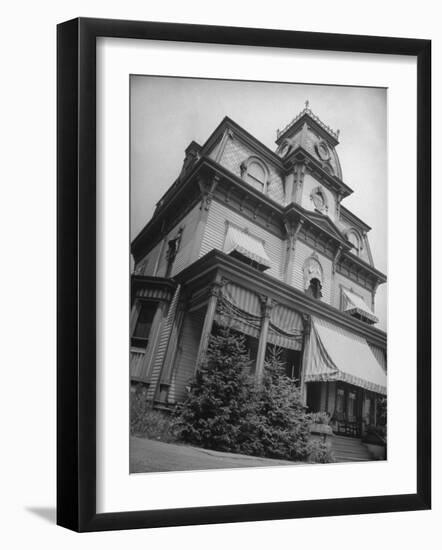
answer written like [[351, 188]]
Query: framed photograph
[[243, 274]]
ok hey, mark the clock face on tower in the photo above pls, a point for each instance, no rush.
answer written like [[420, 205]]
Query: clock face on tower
[[322, 150]]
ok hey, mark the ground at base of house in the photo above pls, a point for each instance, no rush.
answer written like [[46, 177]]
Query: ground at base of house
[[147, 455]]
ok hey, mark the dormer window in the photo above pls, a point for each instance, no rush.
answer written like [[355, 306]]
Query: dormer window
[[356, 241], [255, 173]]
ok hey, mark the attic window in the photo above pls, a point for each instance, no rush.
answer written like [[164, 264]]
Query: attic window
[[255, 173]]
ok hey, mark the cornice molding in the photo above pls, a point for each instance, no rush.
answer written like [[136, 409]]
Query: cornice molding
[[230, 189]]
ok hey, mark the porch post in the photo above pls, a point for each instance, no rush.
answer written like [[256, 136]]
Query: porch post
[[266, 306], [305, 356], [208, 321]]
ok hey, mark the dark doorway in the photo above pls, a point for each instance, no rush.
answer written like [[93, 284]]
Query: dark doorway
[[314, 396]]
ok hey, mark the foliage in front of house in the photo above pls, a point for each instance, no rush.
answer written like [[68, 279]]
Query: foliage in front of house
[[277, 426], [218, 402], [226, 411], [146, 422]]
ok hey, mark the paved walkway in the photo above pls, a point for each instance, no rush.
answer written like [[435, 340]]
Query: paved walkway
[[147, 455]]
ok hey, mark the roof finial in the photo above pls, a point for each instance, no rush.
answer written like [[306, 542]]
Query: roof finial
[[307, 103]]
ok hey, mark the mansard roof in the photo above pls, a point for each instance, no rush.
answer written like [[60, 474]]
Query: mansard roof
[[256, 144], [352, 218]]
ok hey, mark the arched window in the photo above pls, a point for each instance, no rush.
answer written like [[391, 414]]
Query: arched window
[[255, 173], [313, 277], [355, 240], [314, 289]]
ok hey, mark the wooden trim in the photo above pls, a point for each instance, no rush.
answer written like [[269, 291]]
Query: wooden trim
[[157, 325], [208, 322], [266, 305]]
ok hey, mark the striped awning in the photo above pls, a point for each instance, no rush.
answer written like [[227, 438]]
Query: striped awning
[[355, 304], [285, 328], [242, 243], [239, 309], [337, 354]]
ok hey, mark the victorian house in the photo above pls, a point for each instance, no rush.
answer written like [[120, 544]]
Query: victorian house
[[261, 240]]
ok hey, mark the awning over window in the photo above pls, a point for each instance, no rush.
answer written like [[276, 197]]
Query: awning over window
[[337, 354], [240, 242], [355, 304]]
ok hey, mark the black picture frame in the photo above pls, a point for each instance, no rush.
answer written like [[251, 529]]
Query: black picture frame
[[76, 273]]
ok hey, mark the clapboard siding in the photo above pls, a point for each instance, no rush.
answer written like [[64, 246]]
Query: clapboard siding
[[215, 232], [185, 360], [136, 363], [183, 257], [350, 285], [302, 252], [235, 153], [151, 260], [166, 328]]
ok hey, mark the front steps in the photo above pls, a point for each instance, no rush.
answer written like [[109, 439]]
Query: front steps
[[349, 449]]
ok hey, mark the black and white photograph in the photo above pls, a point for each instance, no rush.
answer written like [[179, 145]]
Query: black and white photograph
[[258, 321]]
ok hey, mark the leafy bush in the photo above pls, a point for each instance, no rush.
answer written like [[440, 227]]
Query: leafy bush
[[319, 452], [146, 422]]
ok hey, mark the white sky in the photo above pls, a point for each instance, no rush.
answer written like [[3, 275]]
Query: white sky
[[168, 113]]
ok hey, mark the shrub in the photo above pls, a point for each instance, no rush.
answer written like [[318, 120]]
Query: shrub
[[146, 422], [218, 398], [277, 426], [226, 411], [319, 452]]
